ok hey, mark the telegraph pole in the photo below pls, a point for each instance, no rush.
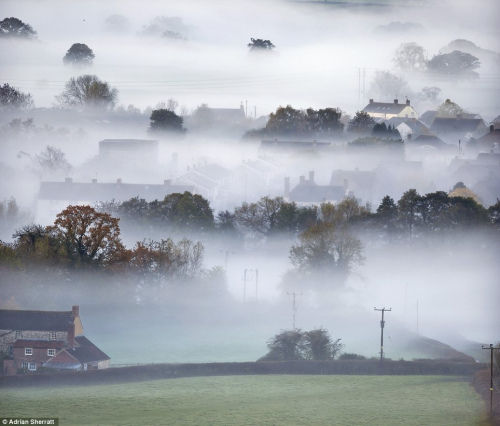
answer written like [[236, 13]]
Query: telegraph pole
[[491, 348], [294, 305], [382, 324]]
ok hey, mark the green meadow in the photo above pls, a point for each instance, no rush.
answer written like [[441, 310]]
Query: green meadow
[[256, 400]]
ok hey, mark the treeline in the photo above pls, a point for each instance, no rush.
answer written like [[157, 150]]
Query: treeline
[[412, 216], [84, 239]]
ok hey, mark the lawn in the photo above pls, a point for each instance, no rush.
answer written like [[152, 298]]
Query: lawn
[[256, 400]]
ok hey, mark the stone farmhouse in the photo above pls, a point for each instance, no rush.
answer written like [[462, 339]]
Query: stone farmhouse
[[30, 340]]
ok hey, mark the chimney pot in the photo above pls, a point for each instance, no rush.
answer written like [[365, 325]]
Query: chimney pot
[[371, 101], [167, 182], [395, 101], [302, 179], [94, 180], [407, 102], [311, 176], [76, 310], [492, 128], [287, 187], [119, 180]]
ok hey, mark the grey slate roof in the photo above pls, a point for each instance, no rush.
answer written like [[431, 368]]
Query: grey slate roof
[[35, 320], [384, 107], [86, 351], [456, 125], [94, 191]]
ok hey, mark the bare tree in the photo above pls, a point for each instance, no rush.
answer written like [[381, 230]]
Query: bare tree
[[88, 91]]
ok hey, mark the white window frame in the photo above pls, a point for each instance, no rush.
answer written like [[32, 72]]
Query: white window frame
[[28, 351], [25, 365], [18, 334], [53, 335], [32, 366], [51, 352]]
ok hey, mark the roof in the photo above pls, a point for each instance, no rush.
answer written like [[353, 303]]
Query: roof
[[39, 344], [35, 320], [491, 137], [312, 193], [94, 191], [428, 117], [86, 351], [456, 125], [385, 107], [431, 139], [416, 126]]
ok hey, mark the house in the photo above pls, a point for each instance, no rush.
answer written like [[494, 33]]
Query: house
[[309, 192], [388, 110], [361, 183], [34, 339], [104, 191], [488, 142], [453, 129]]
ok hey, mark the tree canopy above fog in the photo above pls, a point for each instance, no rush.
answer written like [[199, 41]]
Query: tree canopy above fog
[[15, 28], [260, 44], [79, 54], [88, 91], [291, 122]]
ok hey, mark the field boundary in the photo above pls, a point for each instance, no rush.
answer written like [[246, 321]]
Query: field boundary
[[169, 371]]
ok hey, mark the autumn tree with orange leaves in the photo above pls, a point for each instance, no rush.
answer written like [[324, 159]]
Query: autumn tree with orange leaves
[[90, 237]]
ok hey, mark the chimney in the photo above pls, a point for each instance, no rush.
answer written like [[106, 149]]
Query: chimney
[[71, 335], [371, 101], [287, 187], [68, 180], [94, 180], [119, 180], [492, 128], [167, 182], [311, 176], [302, 180], [395, 101], [407, 102], [76, 311]]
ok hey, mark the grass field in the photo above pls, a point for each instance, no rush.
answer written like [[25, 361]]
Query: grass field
[[256, 400]]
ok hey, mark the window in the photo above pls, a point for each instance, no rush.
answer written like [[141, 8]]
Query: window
[[53, 335], [19, 334], [51, 352], [32, 366], [25, 365], [28, 351]]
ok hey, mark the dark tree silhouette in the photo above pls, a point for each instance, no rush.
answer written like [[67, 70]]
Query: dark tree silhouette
[[10, 97], [455, 63], [14, 27], [260, 44], [362, 122], [165, 120], [79, 54]]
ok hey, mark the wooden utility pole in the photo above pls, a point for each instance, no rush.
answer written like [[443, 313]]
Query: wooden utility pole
[[491, 348], [382, 324]]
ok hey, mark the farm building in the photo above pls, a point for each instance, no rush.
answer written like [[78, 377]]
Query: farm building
[[388, 110], [53, 339]]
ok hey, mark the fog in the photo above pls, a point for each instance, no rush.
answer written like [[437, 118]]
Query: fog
[[326, 55]]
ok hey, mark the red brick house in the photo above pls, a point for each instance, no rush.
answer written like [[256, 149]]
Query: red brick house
[[51, 339]]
